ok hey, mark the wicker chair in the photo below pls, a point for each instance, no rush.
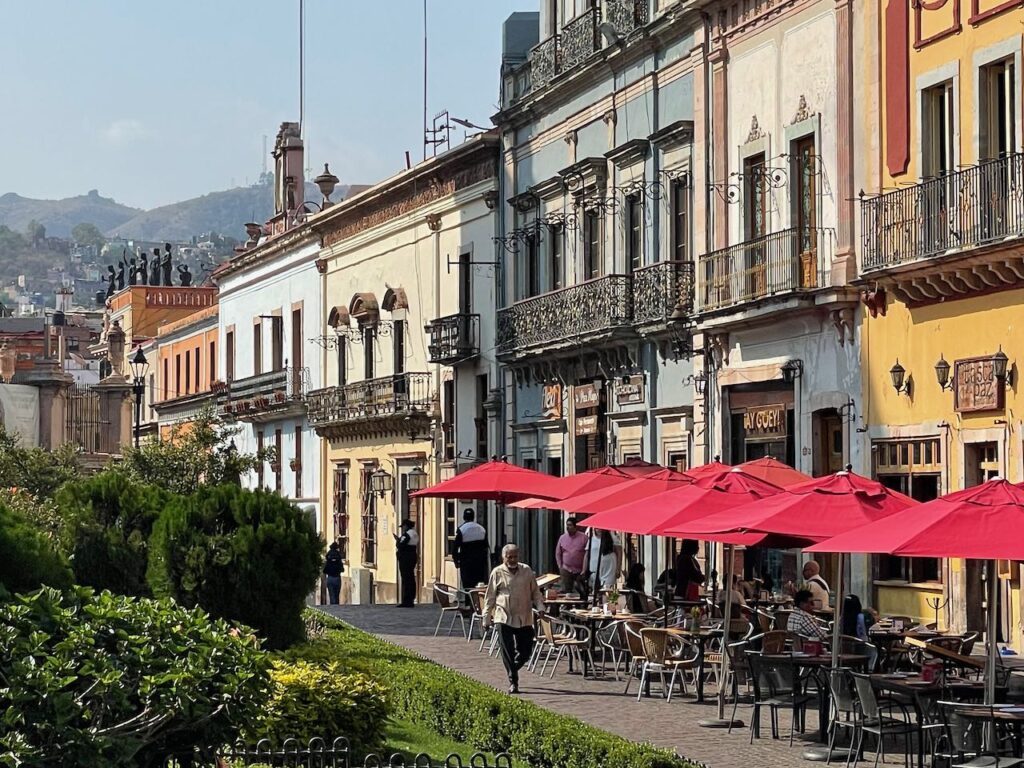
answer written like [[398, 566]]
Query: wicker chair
[[665, 652], [449, 599]]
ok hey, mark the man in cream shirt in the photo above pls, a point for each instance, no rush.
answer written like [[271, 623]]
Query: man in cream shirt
[[511, 597]]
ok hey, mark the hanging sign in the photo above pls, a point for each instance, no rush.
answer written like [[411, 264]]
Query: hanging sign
[[586, 425], [587, 395], [765, 421], [630, 392], [975, 387], [551, 401]]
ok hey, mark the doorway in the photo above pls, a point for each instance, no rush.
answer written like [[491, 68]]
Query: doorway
[[981, 463]]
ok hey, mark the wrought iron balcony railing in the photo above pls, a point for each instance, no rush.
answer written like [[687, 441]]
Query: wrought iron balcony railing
[[783, 262], [580, 39], [265, 394], [566, 316], [453, 338], [403, 394], [957, 211], [662, 292], [626, 15], [544, 62]]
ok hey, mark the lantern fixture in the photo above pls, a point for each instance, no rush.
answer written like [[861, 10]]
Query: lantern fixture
[[139, 366], [416, 479], [792, 370], [1001, 368], [700, 382], [380, 482], [942, 374], [900, 381]]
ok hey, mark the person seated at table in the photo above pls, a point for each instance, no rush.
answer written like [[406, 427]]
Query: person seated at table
[[739, 602], [800, 619], [855, 621], [635, 583], [689, 576]]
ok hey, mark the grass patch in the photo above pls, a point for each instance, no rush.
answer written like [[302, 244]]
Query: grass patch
[[410, 739]]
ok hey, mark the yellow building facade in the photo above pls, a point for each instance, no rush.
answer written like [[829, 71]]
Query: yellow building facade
[[942, 277]]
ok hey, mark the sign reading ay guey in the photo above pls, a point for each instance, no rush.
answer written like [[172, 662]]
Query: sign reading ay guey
[[765, 421]]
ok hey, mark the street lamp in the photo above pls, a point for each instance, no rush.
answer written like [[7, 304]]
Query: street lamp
[[380, 482], [416, 479], [900, 382], [139, 368], [792, 370]]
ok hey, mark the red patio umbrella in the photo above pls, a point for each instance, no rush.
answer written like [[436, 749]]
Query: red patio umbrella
[[631, 490], [711, 469], [493, 481], [638, 467], [774, 471], [983, 522], [582, 482]]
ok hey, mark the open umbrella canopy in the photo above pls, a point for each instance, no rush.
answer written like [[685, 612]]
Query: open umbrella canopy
[[637, 467], [774, 471], [811, 511], [582, 482], [631, 490], [682, 506], [711, 469], [983, 522], [493, 481]]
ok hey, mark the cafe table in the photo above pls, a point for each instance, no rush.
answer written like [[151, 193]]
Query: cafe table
[[699, 637], [594, 620], [557, 604]]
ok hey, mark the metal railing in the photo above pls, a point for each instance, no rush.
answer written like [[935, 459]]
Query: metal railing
[[83, 427], [966, 209], [403, 393], [453, 338], [662, 291], [569, 314], [626, 15], [265, 392], [544, 64], [580, 39], [783, 262]]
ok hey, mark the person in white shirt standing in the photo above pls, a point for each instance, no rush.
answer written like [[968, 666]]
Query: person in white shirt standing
[[407, 548], [470, 553], [511, 598]]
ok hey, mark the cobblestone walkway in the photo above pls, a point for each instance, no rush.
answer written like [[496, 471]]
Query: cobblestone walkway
[[599, 702]]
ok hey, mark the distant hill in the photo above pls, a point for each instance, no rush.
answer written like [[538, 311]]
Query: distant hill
[[225, 212], [60, 216]]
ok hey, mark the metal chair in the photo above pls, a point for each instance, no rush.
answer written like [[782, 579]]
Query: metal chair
[[844, 709], [572, 640], [661, 658], [448, 598], [881, 726], [970, 737], [774, 686]]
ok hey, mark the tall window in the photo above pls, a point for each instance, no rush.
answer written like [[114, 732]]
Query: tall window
[[368, 351], [213, 362], [297, 462], [531, 267], [229, 356], [340, 508], [278, 459], [177, 375], [277, 342], [342, 361], [556, 267], [296, 338], [165, 383], [195, 365], [756, 202], [465, 284], [938, 130], [482, 443], [260, 445], [257, 348], [680, 220], [448, 427], [398, 348], [806, 192], [368, 501], [634, 233], [998, 110], [592, 262], [188, 370]]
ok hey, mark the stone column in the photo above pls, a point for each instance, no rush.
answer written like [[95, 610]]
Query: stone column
[[53, 385], [115, 408], [719, 139]]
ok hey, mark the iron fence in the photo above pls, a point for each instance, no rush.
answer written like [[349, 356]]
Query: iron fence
[[783, 262], [580, 39], [453, 338], [83, 426], [626, 15], [403, 393], [662, 291], [966, 209]]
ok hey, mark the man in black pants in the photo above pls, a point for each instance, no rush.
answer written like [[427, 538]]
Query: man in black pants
[[407, 551], [512, 595]]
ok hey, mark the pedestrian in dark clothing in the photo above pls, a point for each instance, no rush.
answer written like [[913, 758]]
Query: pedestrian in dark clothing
[[470, 553], [333, 567], [407, 548], [689, 576]]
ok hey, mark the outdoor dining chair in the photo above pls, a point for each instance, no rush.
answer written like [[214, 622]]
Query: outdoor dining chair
[[844, 711], [613, 642], [449, 599], [774, 684], [873, 720], [739, 629], [565, 639], [634, 650], [664, 653], [964, 742]]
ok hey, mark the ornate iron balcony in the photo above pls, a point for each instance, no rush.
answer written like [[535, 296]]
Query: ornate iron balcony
[[662, 292], [957, 211], [374, 400], [580, 39], [544, 62], [626, 15], [266, 396], [567, 317], [453, 338], [783, 262]]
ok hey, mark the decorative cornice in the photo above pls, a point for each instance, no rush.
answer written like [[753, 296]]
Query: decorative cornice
[[268, 249], [524, 201], [755, 130], [802, 112], [630, 153], [321, 265], [673, 135], [434, 222], [593, 170], [549, 188]]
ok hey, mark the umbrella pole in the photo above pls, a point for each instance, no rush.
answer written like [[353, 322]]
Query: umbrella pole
[[722, 721], [993, 647], [837, 629]]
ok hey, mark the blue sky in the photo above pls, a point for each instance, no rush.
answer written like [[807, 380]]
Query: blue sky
[[152, 102]]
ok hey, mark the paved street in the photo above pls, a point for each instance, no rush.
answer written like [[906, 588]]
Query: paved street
[[598, 702]]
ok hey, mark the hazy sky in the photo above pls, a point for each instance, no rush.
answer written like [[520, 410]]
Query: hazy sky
[[155, 101]]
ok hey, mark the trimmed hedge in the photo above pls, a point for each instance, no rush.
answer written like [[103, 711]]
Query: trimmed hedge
[[471, 712]]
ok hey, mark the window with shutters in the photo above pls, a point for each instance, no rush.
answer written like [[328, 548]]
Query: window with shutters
[[368, 502], [340, 509]]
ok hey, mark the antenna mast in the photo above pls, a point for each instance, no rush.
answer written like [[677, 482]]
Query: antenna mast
[[425, 142]]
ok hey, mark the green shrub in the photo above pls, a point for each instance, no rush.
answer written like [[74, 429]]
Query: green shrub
[[119, 681], [249, 556], [27, 557], [310, 700], [106, 521], [465, 710]]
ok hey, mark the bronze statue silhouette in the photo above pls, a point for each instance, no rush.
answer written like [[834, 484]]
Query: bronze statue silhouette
[[154, 271], [165, 265], [120, 276], [133, 271], [143, 268], [111, 280], [184, 275]]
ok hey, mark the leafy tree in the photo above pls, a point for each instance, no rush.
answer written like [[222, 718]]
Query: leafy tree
[[35, 232], [105, 524], [37, 471], [248, 556], [201, 452], [10, 241], [27, 559], [88, 234], [118, 681]]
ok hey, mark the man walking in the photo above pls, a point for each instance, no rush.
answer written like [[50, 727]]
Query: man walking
[[570, 553], [512, 595], [470, 553], [407, 551]]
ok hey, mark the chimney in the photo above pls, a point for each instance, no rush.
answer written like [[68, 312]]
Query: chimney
[[289, 183]]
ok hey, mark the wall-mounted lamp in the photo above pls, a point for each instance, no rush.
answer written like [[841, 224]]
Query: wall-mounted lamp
[[491, 199], [699, 381], [416, 479], [380, 482], [900, 382], [942, 374], [792, 370], [1000, 367]]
